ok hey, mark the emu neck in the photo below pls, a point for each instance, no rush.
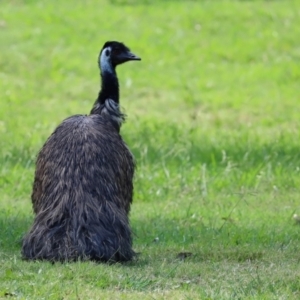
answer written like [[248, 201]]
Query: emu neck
[[109, 86], [109, 82]]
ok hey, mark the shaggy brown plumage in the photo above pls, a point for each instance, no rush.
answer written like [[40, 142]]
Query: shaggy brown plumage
[[83, 181]]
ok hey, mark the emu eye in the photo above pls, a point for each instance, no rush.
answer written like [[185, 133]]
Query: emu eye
[[107, 52]]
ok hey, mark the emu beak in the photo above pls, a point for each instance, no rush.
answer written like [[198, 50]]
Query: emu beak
[[130, 56]]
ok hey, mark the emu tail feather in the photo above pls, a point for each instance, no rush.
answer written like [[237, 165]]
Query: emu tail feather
[[86, 234]]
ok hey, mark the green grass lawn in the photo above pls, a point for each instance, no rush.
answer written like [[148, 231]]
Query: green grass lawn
[[213, 121]]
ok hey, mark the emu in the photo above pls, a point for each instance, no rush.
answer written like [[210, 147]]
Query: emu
[[83, 183]]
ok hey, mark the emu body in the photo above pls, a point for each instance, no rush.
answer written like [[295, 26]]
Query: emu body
[[83, 190]]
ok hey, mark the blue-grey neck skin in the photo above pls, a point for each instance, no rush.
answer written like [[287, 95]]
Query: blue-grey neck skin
[[107, 102], [109, 79]]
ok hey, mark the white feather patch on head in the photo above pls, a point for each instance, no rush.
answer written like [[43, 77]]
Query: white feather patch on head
[[104, 61]]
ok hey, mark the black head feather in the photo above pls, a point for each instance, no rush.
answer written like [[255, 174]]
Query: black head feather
[[116, 53]]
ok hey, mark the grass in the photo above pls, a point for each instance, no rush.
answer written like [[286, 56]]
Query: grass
[[213, 121]]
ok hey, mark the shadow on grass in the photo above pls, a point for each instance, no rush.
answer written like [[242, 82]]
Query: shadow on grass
[[159, 142], [162, 238], [154, 144], [176, 145], [13, 228], [197, 242]]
